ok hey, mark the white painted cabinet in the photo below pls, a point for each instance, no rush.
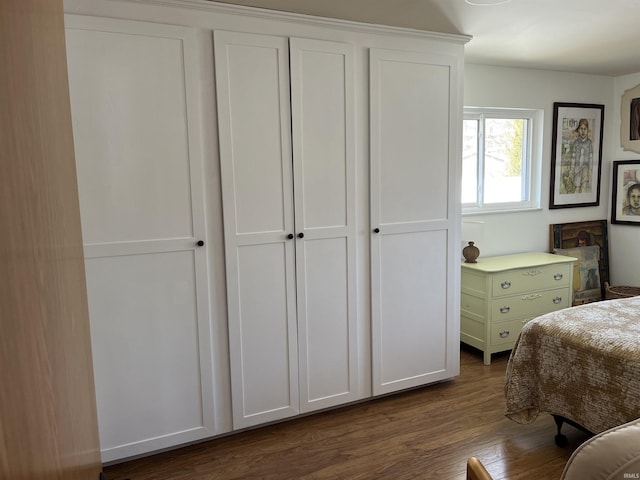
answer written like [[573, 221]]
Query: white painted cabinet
[[414, 198], [137, 138], [286, 143]]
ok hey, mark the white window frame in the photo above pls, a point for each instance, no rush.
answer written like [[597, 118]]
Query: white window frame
[[532, 163]]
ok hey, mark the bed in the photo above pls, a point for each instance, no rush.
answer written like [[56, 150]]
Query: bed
[[580, 364]]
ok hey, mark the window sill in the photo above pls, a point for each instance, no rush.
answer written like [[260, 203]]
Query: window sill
[[472, 213]]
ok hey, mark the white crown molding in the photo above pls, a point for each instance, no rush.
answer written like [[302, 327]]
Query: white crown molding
[[255, 12]]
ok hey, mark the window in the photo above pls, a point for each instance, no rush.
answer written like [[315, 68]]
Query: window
[[501, 159]]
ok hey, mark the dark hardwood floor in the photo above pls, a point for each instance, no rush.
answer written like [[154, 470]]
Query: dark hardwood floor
[[424, 433]]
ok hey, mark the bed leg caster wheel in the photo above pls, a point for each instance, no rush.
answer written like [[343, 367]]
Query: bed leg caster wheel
[[561, 440]]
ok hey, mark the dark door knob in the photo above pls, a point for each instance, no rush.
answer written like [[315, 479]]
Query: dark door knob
[[290, 236], [200, 243], [301, 235], [376, 230]]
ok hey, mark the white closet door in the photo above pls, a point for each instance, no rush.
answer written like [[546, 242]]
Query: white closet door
[[252, 78], [135, 106], [322, 100], [414, 338]]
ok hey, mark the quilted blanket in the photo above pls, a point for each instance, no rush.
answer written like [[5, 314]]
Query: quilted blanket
[[582, 363]]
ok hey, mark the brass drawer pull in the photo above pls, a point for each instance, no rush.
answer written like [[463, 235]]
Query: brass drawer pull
[[504, 333], [557, 300], [505, 284], [505, 309], [558, 276]]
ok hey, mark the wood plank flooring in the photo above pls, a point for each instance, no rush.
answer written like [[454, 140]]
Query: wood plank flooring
[[419, 434]]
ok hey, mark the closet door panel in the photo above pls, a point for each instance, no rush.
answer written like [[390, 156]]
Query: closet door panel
[[252, 86], [132, 83], [321, 152], [145, 336], [414, 151], [264, 329], [327, 337], [413, 334], [323, 125], [254, 96], [135, 103]]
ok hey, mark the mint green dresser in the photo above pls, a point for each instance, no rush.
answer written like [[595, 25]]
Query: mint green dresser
[[500, 294]]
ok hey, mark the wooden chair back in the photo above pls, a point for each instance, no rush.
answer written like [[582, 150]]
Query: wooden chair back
[[476, 470]]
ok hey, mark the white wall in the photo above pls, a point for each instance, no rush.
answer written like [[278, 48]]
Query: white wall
[[487, 86], [623, 239]]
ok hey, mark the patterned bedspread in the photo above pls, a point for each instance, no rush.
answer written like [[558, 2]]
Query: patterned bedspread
[[582, 363]]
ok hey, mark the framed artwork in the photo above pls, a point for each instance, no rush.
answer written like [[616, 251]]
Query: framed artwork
[[587, 286], [630, 120], [625, 204], [576, 239], [576, 155]]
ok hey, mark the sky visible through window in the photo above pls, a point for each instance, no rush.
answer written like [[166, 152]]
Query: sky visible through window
[[503, 152]]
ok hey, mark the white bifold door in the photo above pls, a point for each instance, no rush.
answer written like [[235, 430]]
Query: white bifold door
[[286, 126], [413, 218]]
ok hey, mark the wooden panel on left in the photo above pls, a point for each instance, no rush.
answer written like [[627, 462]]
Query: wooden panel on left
[[47, 396]]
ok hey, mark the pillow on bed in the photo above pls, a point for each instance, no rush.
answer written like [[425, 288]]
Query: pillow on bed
[[586, 273]]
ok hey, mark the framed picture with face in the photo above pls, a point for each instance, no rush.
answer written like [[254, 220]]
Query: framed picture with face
[[625, 204], [576, 155]]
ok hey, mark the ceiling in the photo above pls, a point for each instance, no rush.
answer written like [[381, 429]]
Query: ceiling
[[586, 36]]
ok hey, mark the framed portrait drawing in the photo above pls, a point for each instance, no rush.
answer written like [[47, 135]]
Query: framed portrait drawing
[[589, 242], [625, 204], [576, 155], [630, 120]]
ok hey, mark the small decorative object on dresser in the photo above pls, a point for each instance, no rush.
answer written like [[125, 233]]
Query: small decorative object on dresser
[[500, 294], [471, 253]]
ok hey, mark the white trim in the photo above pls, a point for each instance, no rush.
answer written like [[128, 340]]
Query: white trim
[[304, 19]]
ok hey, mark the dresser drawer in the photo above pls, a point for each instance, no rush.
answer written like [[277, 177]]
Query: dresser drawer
[[529, 279], [507, 332], [529, 304], [472, 306]]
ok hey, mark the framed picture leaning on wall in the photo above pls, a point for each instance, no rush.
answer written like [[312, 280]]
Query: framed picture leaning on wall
[[625, 204], [584, 240], [630, 120], [576, 155]]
